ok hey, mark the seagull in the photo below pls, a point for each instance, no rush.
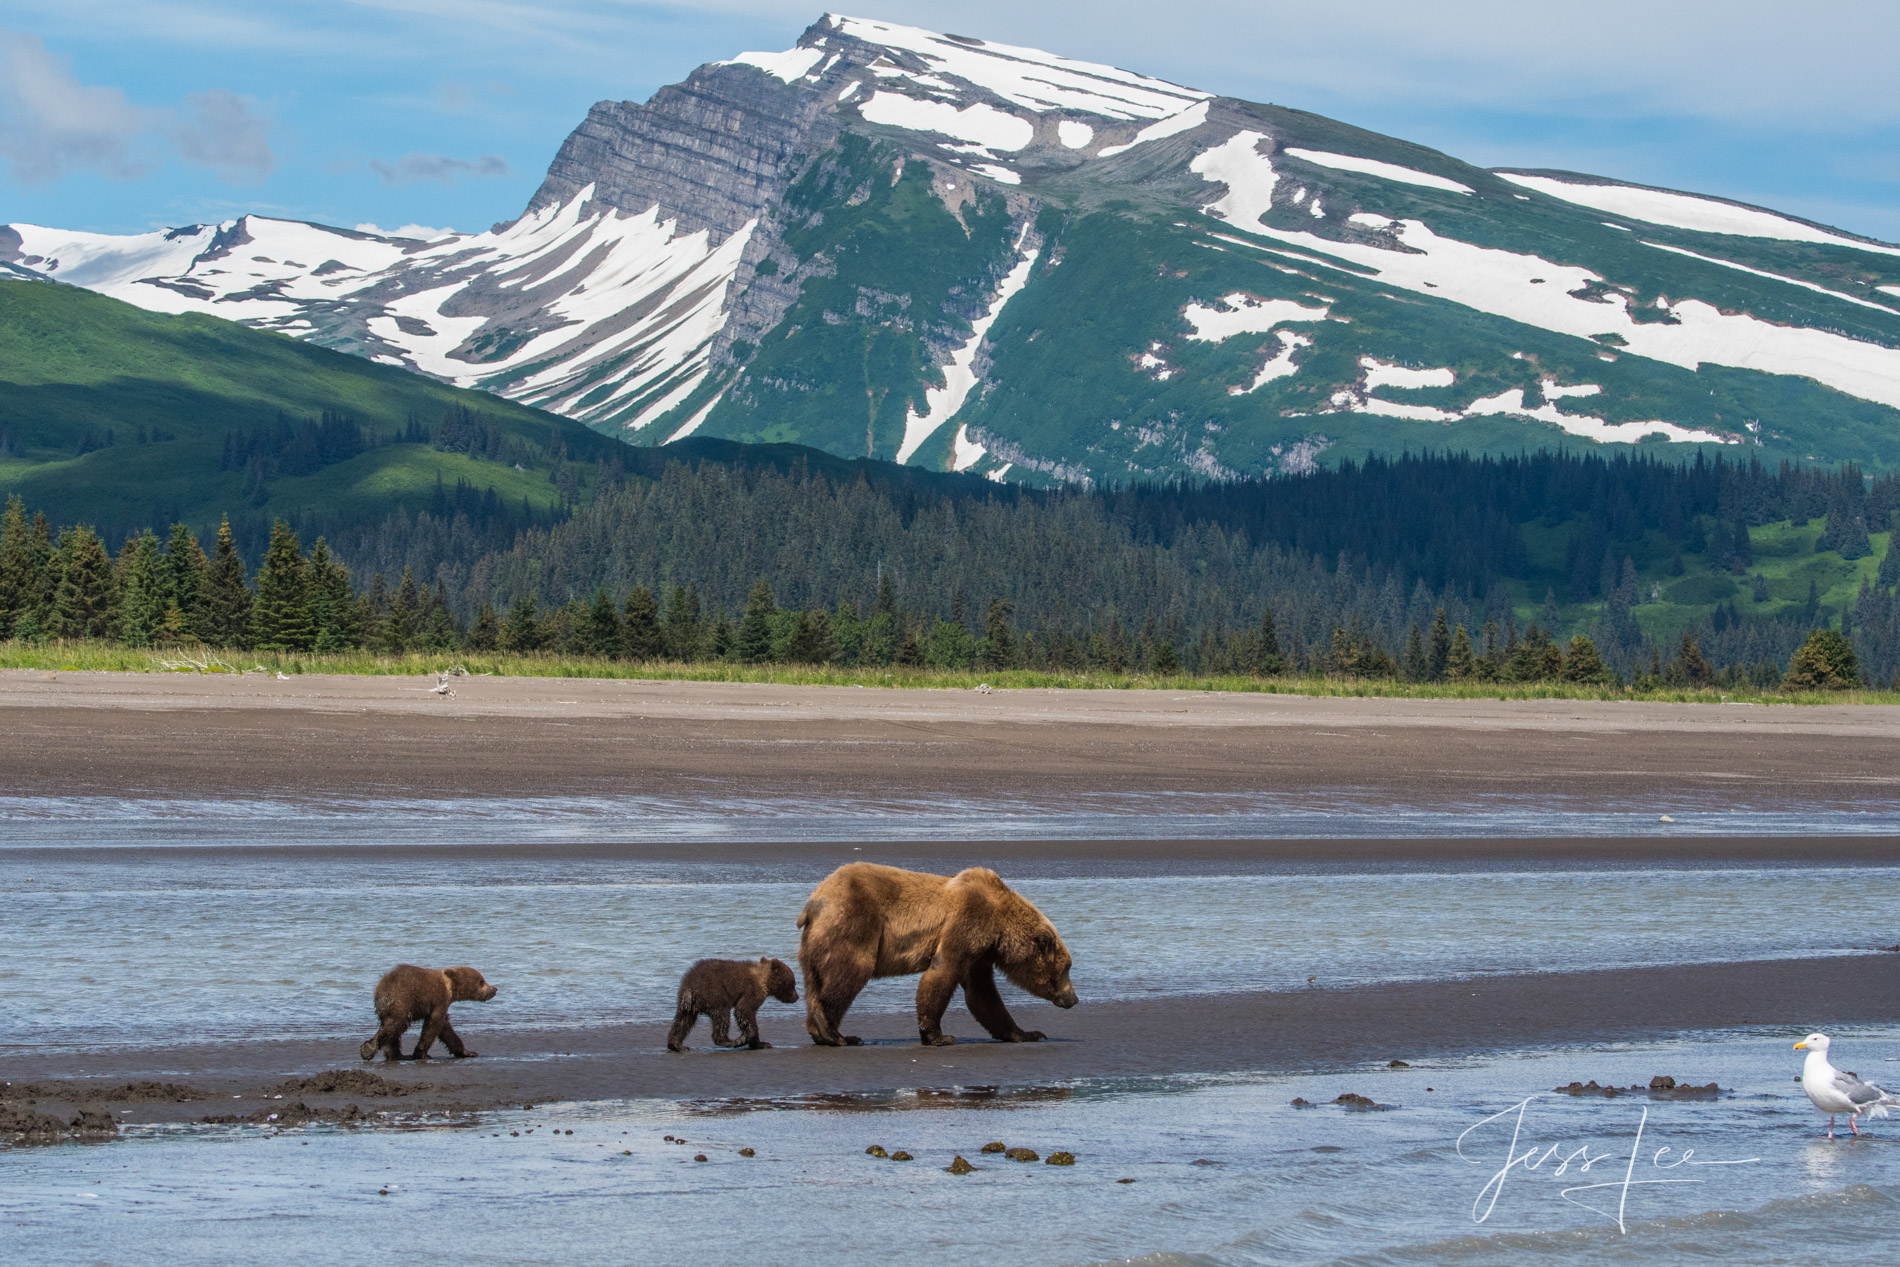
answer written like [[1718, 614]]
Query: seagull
[[1837, 1091]]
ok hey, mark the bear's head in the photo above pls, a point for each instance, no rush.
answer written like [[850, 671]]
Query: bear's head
[[779, 981], [468, 985], [1035, 959]]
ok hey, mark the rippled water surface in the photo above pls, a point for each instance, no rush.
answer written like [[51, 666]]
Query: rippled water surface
[[1226, 1171]]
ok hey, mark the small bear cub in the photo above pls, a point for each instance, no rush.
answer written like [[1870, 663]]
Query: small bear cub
[[408, 994], [714, 986]]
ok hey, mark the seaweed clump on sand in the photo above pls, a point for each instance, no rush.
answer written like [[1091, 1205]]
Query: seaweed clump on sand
[[1660, 1087], [22, 1125], [295, 1113], [351, 1082], [959, 1165]]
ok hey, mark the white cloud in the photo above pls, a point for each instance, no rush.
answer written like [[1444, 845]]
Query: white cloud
[[51, 124], [437, 167]]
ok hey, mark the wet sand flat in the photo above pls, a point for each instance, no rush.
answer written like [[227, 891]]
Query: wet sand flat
[[108, 734], [1314, 1029]]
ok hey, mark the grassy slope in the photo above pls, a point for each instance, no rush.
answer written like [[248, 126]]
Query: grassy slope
[[73, 363]]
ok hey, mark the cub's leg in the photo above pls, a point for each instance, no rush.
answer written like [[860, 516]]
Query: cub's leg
[[431, 1030], [388, 1039], [453, 1041], [986, 1005], [683, 1022], [722, 1029], [748, 1014]]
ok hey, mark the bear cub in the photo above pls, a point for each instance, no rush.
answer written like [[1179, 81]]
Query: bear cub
[[714, 986], [408, 994]]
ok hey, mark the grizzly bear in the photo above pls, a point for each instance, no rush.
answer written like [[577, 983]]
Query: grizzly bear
[[716, 986], [408, 994], [865, 920]]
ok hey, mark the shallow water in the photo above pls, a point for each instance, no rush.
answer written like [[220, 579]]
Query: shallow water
[[116, 948], [1281, 1184]]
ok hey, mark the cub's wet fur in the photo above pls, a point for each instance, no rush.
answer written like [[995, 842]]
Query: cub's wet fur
[[716, 986], [408, 994]]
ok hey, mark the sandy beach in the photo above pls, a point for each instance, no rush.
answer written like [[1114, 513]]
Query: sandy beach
[[110, 734]]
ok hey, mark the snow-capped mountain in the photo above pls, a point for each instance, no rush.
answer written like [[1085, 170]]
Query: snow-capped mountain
[[927, 247]]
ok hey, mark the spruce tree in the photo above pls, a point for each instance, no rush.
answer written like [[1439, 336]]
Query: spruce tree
[[753, 645], [399, 631], [521, 631], [439, 630], [82, 606], [810, 642], [280, 617], [18, 580], [1439, 660], [187, 584], [1460, 664], [1166, 663], [1582, 664], [1267, 659], [998, 650], [1825, 662], [333, 605], [1695, 669], [140, 591], [640, 630], [1414, 664], [603, 627], [485, 633], [228, 598], [680, 637]]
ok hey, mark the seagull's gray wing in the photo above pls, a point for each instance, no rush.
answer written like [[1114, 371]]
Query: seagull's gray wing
[[1856, 1091]]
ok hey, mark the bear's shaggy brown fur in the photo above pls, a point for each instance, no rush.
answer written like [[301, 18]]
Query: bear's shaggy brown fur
[[716, 986], [408, 994], [866, 920]]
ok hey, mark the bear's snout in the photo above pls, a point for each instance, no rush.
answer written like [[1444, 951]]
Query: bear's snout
[[1066, 998], [487, 992]]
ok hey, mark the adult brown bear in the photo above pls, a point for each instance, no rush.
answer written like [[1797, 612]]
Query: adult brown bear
[[865, 920]]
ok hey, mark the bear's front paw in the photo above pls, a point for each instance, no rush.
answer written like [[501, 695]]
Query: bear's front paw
[[368, 1050], [939, 1040], [466, 1054], [1029, 1036], [852, 1040], [759, 1044]]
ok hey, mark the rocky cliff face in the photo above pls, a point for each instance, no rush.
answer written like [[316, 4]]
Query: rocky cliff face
[[896, 243]]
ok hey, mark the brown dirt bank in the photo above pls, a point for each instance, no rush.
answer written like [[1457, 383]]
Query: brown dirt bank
[[81, 734], [1312, 1029]]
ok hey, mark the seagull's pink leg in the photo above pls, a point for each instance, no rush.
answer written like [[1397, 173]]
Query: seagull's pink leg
[[1850, 1125], [1830, 1126]]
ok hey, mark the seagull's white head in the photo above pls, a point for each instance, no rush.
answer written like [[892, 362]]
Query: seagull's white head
[[1815, 1042]]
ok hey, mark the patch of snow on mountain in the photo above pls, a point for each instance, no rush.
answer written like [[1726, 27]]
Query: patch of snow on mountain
[[1028, 77], [1534, 290], [1556, 391], [104, 262], [692, 424], [1773, 277], [965, 452], [1074, 134], [1373, 167], [996, 173], [941, 403], [1244, 314], [1248, 174], [1686, 211], [849, 89], [1280, 365], [1192, 117], [977, 124], [1385, 374], [1512, 403], [1352, 403], [1889, 290], [793, 63]]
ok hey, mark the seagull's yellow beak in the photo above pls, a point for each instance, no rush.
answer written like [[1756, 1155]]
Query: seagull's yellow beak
[[1799, 1046]]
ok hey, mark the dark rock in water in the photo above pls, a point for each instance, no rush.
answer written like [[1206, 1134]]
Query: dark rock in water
[[1124, 1181], [1301, 1102], [1353, 1100], [995, 1146], [1059, 1159], [699, 1157], [901, 1155], [1328, 1148], [959, 1166], [669, 1139], [1660, 1087], [1397, 1064], [1662, 1082], [1203, 1161], [1021, 1154], [877, 1150], [748, 1152]]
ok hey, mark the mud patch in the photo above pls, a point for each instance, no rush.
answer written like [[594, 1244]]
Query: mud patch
[[351, 1082], [20, 1125]]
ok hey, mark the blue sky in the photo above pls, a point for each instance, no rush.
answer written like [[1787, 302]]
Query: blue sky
[[119, 116]]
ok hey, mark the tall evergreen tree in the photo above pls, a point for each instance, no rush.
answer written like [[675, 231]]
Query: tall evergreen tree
[[680, 638], [227, 597], [280, 617], [753, 645], [640, 630], [187, 586], [1267, 658], [399, 630], [810, 642], [141, 590], [998, 649], [1460, 664], [333, 605], [485, 633], [602, 637], [18, 578], [1439, 659], [82, 607], [1695, 669], [1414, 664], [1825, 662], [1583, 665], [521, 631]]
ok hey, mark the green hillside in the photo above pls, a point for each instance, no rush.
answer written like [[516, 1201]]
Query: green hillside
[[123, 417]]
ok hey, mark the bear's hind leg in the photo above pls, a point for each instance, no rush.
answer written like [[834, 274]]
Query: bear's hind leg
[[388, 1040], [683, 1023], [830, 988]]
